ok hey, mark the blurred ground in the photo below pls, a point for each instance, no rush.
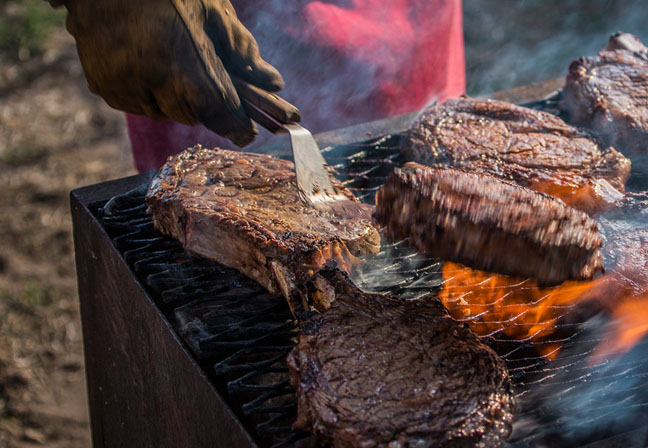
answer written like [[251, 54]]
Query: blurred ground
[[55, 136]]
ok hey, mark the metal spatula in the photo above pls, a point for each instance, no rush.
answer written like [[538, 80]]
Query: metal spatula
[[313, 181]]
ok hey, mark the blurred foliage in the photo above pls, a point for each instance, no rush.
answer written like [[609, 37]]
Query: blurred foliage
[[32, 296], [25, 26], [24, 155]]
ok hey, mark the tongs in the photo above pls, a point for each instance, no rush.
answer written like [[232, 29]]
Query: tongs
[[313, 180]]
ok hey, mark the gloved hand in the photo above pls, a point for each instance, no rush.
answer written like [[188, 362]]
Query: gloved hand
[[170, 59]]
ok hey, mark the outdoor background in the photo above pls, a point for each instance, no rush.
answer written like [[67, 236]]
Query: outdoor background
[[56, 136]]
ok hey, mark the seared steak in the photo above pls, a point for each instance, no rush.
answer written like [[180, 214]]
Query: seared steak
[[243, 210], [609, 94], [375, 370], [625, 41], [628, 255], [489, 224], [534, 149]]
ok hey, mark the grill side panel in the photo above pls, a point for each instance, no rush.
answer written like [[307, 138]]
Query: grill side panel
[[143, 385]]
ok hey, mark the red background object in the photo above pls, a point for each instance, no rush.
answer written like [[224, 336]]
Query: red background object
[[344, 62]]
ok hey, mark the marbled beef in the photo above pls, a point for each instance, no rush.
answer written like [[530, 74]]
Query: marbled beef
[[531, 148], [377, 371], [489, 224], [244, 211]]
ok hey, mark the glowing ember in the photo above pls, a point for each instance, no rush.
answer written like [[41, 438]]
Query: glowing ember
[[496, 304]]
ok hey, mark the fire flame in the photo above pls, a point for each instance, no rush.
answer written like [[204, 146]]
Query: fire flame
[[519, 309], [629, 324]]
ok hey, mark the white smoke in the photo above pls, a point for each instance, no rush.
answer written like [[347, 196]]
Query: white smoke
[[338, 87], [509, 44], [571, 403]]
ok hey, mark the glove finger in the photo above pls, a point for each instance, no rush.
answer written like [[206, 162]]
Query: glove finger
[[239, 135], [140, 102], [197, 88], [231, 122], [221, 110], [258, 72], [238, 48], [192, 98]]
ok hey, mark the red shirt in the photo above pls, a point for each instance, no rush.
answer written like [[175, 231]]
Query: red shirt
[[344, 62]]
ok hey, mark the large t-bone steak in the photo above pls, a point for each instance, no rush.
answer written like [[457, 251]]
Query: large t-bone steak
[[609, 94], [377, 371], [532, 148], [244, 211], [489, 224]]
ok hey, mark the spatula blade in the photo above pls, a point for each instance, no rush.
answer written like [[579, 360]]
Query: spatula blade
[[313, 180]]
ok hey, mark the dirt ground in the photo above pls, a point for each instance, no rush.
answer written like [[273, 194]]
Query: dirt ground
[[54, 136]]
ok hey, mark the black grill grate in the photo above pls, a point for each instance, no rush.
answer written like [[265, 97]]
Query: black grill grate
[[241, 334]]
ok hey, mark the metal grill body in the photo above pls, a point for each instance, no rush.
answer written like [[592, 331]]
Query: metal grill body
[[240, 335]]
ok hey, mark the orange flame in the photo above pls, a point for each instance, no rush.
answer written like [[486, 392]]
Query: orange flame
[[518, 308], [628, 326]]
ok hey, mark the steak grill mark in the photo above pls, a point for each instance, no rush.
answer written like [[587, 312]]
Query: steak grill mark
[[241, 335]]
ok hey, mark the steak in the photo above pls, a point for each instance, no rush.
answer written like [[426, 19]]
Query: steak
[[608, 93], [532, 148], [489, 224], [628, 252], [374, 370], [244, 211], [625, 41]]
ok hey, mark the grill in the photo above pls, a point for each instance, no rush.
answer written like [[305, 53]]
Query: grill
[[239, 335]]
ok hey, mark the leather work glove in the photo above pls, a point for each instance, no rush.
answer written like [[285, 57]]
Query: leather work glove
[[170, 59]]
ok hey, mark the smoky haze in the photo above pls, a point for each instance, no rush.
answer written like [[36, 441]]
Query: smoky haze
[[507, 44], [360, 60], [571, 403], [513, 43]]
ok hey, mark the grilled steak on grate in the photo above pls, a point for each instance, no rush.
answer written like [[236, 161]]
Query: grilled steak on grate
[[628, 255], [625, 41], [243, 210], [532, 148], [609, 94], [489, 224], [375, 370]]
